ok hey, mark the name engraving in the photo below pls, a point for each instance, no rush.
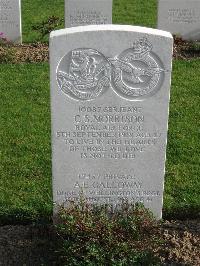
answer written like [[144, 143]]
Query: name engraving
[[185, 15], [7, 19], [110, 187], [110, 132], [87, 18]]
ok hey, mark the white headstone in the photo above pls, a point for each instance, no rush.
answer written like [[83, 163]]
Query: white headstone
[[10, 20], [110, 88], [180, 17], [87, 12]]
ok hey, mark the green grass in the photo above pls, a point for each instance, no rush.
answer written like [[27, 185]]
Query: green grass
[[25, 187], [183, 169], [25, 154], [37, 11], [133, 12]]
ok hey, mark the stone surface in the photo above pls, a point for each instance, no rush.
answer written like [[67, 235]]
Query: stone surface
[[87, 12], [181, 17], [10, 20], [110, 97]]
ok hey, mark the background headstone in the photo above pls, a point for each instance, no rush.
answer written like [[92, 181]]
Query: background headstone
[[181, 17], [110, 97], [10, 20], [87, 12]]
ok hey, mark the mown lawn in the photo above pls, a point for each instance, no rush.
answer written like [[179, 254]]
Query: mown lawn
[[25, 169], [133, 12], [183, 165], [37, 11], [25, 154]]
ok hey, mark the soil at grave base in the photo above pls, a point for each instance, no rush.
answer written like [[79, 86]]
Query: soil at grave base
[[28, 245], [39, 52]]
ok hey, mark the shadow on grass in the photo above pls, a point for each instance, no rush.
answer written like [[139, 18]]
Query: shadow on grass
[[184, 213], [28, 245], [23, 217]]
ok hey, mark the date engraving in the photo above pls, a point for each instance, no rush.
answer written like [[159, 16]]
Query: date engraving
[[110, 132], [112, 188]]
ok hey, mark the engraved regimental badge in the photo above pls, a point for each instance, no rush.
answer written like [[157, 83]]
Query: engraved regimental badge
[[137, 73]]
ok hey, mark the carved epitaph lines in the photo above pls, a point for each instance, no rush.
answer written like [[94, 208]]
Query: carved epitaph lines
[[180, 17], [110, 87], [87, 12], [10, 20]]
